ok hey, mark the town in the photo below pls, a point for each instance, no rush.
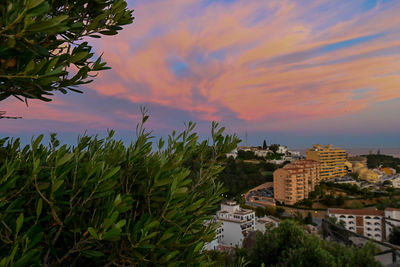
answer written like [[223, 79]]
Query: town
[[359, 193]]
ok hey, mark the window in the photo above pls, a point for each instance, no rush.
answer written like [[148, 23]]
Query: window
[[369, 229], [368, 234], [342, 216], [351, 217], [377, 229], [368, 217]]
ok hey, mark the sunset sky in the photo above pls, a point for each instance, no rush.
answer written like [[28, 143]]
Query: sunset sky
[[294, 72]]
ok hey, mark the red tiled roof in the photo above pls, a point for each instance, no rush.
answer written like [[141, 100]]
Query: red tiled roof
[[357, 211]]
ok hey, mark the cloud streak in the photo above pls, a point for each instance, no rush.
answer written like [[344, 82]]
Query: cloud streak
[[251, 64]]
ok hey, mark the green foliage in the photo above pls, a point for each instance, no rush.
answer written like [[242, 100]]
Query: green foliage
[[377, 160], [101, 202], [289, 245], [239, 176], [309, 219], [42, 48], [274, 148], [394, 236]]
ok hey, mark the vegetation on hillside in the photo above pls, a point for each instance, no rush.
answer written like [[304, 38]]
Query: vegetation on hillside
[[239, 176], [289, 245], [378, 160]]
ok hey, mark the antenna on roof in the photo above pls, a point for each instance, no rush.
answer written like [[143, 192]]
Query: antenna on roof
[[245, 136]]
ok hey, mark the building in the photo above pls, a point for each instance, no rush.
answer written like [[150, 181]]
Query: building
[[331, 160], [294, 181], [392, 218], [267, 221], [215, 243], [235, 223], [365, 174], [396, 181], [282, 150], [233, 154], [372, 223]]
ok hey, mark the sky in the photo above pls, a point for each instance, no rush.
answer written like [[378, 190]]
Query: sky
[[294, 72]]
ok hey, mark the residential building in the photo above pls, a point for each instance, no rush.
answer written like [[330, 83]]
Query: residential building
[[235, 223], [294, 181], [214, 244], [365, 174], [331, 160], [372, 223], [282, 150], [233, 154], [396, 181], [267, 221], [392, 218]]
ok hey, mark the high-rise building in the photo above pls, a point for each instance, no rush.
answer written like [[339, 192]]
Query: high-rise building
[[293, 182], [331, 160]]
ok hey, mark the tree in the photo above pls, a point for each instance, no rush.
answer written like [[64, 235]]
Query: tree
[[260, 212], [265, 145], [274, 148], [102, 203], [309, 219], [394, 236], [42, 48], [289, 245]]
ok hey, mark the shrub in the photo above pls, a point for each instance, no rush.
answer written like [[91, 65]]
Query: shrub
[[101, 202]]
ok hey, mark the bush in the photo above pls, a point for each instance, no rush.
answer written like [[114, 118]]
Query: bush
[[289, 245], [100, 202]]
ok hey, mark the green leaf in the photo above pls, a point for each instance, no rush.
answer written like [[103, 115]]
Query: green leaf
[[198, 246], [33, 3], [151, 225], [112, 234], [23, 261], [92, 253], [120, 224], [93, 233], [39, 207], [30, 66], [19, 222], [56, 185], [67, 157], [111, 173], [78, 57]]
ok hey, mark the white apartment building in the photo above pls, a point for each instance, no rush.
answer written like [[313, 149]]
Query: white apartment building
[[392, 218], [372, 223], [213, 245], [235, 223]]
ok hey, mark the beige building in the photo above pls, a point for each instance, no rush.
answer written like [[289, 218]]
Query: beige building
[[331, 160], [364, 173], [295, 181]]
